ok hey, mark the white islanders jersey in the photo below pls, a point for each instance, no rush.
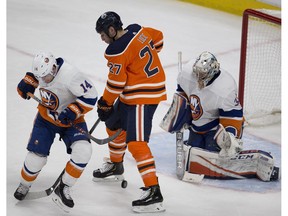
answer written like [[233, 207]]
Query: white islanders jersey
[[213, 104], [68, 86]]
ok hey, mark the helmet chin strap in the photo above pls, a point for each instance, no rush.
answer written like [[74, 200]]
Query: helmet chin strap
[[107, 33], [114, 36]]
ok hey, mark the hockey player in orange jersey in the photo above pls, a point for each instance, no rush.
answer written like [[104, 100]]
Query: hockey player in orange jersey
[[135, 86]]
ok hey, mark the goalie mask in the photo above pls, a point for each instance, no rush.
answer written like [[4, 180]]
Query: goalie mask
[[205, 68], [44, 64]]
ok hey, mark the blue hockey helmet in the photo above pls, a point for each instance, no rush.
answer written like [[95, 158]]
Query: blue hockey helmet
[[106, 20]]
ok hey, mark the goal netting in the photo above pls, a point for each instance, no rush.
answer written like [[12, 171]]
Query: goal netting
[[260, 67]]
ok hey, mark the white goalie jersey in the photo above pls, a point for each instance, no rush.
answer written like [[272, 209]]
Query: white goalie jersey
[[214, 104]]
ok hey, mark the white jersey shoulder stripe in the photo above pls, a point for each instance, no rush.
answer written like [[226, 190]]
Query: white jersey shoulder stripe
[[116, 82]]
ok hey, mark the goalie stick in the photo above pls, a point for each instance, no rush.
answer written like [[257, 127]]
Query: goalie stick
[[39, 194], [180, 154], [81, 130], [181, 172]]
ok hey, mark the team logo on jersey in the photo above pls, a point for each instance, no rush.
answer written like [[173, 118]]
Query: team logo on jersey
[[196, 108], [236, 101], [50, 99]]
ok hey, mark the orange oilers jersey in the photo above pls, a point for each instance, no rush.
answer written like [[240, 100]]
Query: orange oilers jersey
[[135, 70]]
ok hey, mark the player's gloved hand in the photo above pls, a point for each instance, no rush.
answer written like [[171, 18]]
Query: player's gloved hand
[[104, 110], [70, 113], [28, 84]]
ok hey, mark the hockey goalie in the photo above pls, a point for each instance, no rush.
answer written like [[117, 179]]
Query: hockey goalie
[[206, 104]]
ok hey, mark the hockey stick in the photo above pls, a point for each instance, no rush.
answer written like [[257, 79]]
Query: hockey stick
[[94, 125], [39, 194], [192, 178], [180, 156], [181, 172], [81, 130], [96, 140]]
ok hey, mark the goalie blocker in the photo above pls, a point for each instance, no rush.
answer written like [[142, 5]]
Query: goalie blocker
[[178, 116], [245, 164]]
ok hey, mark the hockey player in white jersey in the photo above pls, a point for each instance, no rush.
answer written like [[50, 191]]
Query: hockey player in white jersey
[[67, 95], [206, 102]]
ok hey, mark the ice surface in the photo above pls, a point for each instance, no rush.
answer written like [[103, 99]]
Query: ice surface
[[66, 28]]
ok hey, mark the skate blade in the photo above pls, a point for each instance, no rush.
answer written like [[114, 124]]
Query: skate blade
[[60, 204], [156, 207], [114, 178]]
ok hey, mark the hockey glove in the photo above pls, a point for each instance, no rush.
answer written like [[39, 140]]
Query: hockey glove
[[28, 84], [104, 110], [70, 113]]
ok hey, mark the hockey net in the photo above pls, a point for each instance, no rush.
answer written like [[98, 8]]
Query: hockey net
[[260, 67]]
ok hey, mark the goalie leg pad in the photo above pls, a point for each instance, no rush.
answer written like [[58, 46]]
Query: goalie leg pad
[[178, 115], [265, 166], [245, 164], [213, 166]]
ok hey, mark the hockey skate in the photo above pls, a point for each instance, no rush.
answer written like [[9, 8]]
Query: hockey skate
[[150, 200], [21, 192], [62, 197], [110, 172]]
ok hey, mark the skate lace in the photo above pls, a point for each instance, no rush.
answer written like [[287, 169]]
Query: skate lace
[[106, 167], [66, 192], [22, 189], [145, 193]]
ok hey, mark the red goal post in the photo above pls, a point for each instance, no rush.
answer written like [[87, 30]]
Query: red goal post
[[260, 66]]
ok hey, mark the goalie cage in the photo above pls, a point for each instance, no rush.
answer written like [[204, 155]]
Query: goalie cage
[[260, 67]]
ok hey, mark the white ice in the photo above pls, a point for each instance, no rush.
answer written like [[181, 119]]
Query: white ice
[[67, 28]]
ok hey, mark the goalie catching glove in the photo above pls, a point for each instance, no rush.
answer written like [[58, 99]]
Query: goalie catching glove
[[103, 109], [28, 84], [228, 143], [70, 113]]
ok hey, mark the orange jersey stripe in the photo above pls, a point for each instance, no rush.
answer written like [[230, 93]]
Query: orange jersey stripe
[[236, 123]]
